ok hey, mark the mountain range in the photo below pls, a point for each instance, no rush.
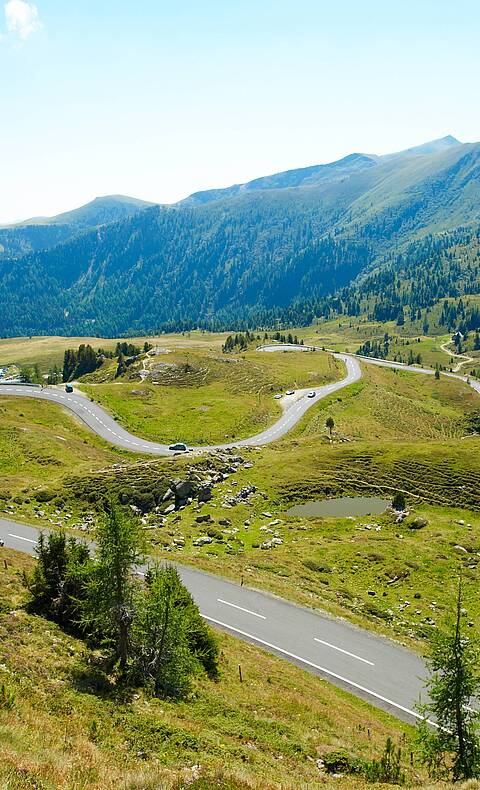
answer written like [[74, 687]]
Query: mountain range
[[280, 247]]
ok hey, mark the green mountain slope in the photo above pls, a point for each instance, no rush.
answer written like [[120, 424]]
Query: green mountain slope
[[274, 248], [41, 233]]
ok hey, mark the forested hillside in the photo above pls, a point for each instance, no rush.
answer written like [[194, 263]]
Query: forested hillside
[[41, 233], [445, 265], [375, 233]]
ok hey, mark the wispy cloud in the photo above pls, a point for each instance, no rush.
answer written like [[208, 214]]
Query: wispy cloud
[[22, 18]]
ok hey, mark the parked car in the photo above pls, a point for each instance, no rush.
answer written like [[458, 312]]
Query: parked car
[[290, 392], [277, 397], [68, 388], [179, 446], [311, 394], [2, 543]]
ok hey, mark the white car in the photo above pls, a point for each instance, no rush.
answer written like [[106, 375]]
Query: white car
[[277, 397], [290, 392], [311, 394], [2, 543]]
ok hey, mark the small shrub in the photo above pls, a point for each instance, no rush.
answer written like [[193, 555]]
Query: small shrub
[[7, 698], [44, 496], [376, 611], [317, 567], [341, 762], [388, 768], [399, 501]]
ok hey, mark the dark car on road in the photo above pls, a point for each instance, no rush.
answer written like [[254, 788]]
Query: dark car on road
[[179, 447]]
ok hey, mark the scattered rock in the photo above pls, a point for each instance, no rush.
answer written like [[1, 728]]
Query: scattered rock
[[417, 523], [202, 541]]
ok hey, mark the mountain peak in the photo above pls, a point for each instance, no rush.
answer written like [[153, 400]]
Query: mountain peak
[[431, 147], [100, 210]]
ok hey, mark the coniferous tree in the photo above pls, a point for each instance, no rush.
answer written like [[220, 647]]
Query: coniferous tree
[[162, 654], [111, 593], [452, 747]]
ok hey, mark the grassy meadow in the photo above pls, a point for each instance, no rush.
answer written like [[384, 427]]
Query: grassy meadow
[[49, 351], [202, 398]]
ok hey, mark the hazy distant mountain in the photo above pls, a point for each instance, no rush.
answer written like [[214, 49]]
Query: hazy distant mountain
[[305, 176], [246, 254], [433, 147], [40, 233]]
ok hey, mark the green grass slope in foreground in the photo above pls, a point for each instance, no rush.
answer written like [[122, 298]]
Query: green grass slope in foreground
[[201, 398], [63, 727]]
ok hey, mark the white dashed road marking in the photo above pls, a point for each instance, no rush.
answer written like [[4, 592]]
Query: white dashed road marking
[[236, 606]]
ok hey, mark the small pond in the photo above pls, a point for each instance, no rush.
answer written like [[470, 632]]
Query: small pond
[[342, 507]]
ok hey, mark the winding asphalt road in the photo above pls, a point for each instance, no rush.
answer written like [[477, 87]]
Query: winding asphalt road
[[293, 406], [99, 421], [371, 667]]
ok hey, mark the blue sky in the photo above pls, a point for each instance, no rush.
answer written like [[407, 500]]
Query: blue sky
[[159, 99]]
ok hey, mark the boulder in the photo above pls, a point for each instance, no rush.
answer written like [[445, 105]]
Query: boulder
[[182, 488], [204, 493], [203, 519], [168, 495], [202, 541], [417, 523]]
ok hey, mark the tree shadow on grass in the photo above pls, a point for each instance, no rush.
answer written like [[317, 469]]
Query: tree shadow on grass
[[100, 679]]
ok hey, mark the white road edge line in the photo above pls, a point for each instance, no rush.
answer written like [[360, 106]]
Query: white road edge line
[[19, 537], [236, 606], [341, 650], [320, 669]]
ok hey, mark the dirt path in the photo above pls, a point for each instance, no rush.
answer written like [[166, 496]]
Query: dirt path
[[459, 365]]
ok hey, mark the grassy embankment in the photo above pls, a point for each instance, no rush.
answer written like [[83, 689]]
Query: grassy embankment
[[67, 728]]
